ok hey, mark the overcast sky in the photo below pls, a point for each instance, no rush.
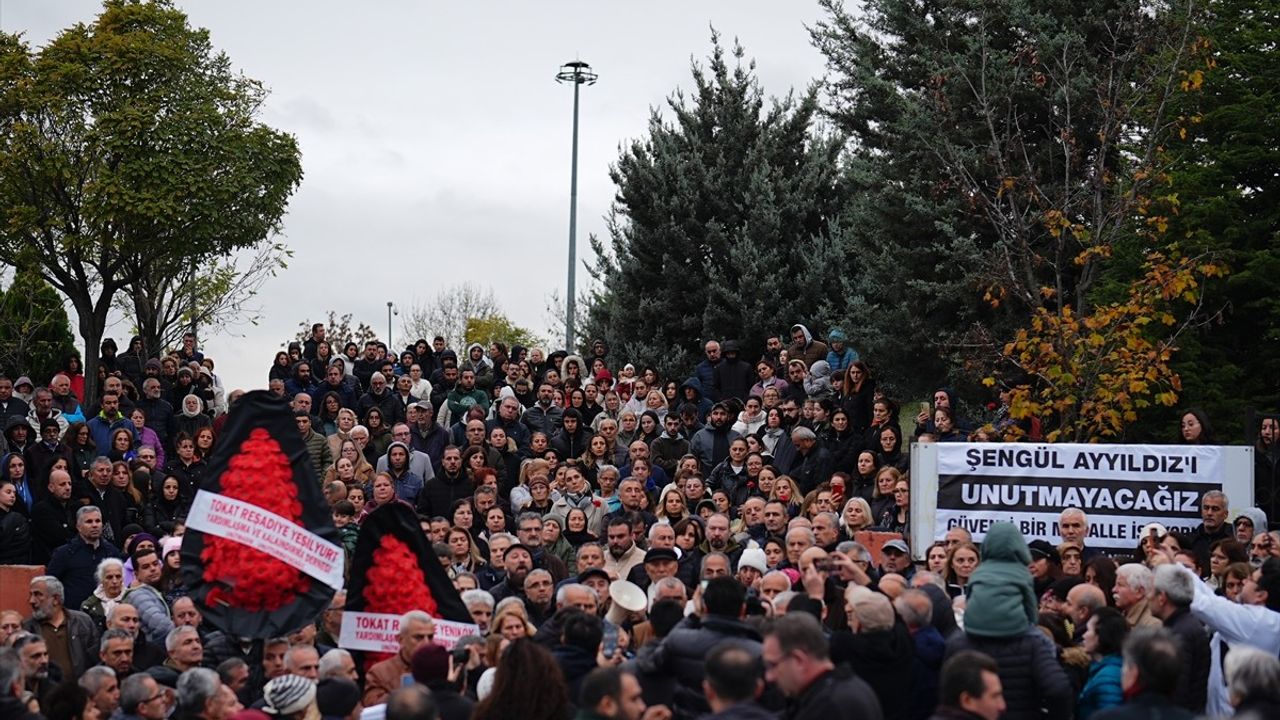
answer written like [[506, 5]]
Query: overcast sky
[[436, 142]]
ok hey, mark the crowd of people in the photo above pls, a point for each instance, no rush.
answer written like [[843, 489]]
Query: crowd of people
[[627, 546]]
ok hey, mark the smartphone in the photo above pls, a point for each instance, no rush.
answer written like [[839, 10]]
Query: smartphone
[[924, 408], [610, 639]]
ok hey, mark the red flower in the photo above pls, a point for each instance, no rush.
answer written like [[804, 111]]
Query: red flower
[[395, 585], [259, 474]]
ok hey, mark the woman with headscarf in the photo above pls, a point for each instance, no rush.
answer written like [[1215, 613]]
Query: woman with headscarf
[[192, 416], [888, 449], [14, 467]]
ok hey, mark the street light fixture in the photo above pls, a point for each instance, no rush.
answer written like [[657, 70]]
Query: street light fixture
[[579, 73], [391, 348]]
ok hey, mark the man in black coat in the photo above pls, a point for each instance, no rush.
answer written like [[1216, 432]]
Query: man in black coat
[[879, 649], [797, 659], [53, 519], [683, 652], [1171, 602], [733, 377]]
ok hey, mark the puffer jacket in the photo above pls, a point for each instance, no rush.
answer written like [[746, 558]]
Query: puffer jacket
[[683, 654], [1103, 688], [1035, 685]]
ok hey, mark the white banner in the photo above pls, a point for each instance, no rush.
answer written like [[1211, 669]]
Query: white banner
[[267, 532], [380, 632], [1120, 487]]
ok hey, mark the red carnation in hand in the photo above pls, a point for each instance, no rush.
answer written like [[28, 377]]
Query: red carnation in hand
[[259, 474]]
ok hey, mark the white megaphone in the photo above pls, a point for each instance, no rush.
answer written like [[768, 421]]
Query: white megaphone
[[627, 598]]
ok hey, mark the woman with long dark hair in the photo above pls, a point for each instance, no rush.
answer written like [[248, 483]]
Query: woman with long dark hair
[[859, 393]]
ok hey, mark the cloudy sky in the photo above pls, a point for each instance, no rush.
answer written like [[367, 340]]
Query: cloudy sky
[[436, 142]]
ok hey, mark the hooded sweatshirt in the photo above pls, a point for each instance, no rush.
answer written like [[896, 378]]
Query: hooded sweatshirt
[[811, 352], [1002, 602]]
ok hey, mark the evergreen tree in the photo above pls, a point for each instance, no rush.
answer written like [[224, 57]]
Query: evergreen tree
[[999, 150], [1228, 193], [35, 335], [720, 225]]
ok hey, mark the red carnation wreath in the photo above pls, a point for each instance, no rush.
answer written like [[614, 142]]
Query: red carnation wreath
[[250, 579], [395, 585]]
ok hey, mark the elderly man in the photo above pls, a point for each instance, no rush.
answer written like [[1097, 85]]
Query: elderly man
[[1073, 528], [416, 627], [1214, 506], [70, 635], [480, 604], [813, 462], [303, 660], [100, 685], [203, 696], [798, 540], [877, 649], [125, 617], [115, 650], [142, 698], [338, 663], [185, 652], [1082, 602], [1170, 601], [99, 493], [1132, 592]]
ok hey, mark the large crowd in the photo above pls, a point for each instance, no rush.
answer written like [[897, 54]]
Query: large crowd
[[627, 546]]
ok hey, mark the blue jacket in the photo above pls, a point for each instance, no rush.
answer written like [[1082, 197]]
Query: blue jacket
[[102, 429], [1103, 689], [842, 361]]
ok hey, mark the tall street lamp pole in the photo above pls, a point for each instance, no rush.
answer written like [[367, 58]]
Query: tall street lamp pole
[[579, 73], [391, 348]]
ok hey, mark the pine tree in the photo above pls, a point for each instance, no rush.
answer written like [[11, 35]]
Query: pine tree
[[999, 151], [35, 335], [720, 225]]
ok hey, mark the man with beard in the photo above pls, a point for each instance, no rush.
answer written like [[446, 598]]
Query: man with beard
[[38, 676], [70, 635], [545, 416], [539, 591], [623, 554], [518, 562], [720, 540], [529, 533], [711, 444], [381, 397], [335, 382], [159, 412]]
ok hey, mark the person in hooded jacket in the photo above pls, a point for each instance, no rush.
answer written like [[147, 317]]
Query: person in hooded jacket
[[132, 361], [1000, 621], [480, 365], [733, 377], [691, 392], [805, 347], [817, 383], [943, 397]]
